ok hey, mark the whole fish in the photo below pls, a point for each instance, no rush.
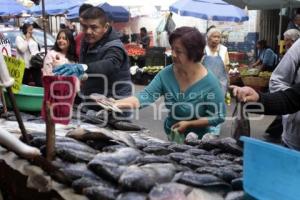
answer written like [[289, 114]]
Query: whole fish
[[102, 134], [170, 191], [143, 178]]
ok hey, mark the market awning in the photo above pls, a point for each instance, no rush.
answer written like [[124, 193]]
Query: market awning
[[55, 7], [115, 13], [9, 7], [215, 10], [264, 4]]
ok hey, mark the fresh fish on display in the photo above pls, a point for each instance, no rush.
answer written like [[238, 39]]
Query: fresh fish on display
[[132, 196]]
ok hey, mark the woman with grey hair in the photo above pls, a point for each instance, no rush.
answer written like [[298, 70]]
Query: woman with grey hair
[[290, 36]]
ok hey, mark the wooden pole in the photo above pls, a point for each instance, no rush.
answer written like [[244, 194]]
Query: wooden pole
[[44, 25], [3, 101], [50, 134], [17, 113]]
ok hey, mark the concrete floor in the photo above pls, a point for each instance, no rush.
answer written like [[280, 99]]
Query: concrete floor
[[152, 121]]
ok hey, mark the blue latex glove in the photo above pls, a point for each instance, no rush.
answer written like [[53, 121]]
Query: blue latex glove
[[69, 70]]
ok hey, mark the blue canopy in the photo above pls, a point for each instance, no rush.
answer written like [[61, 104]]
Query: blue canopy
[[11, 7], [55, 7], [115, 13], [216, 10]]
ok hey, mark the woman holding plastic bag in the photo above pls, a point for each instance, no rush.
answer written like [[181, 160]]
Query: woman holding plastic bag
[[192, 93]]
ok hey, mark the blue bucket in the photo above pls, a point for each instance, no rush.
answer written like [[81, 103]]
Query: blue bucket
[[271, 172]]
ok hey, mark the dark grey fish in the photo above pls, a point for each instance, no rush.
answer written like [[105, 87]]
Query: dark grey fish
[[101, 193], [78, 146], [238, 160], [201, 180], [179, 156], [132, 196], [207, 157], [153, 142], [122, 156], [227, 156], [153, 159], [113, 148], [216, 151], [75, 156], [108, 171], [39, 141], [180, 147], [236, 167], [207, 170], [59, 163], [169, 191], [193, 163], [77, 171], [219, 163], [235, 195], [99, 144], [126, 126], [197, 152], [143, 178], [157, 150], [226, 174], [210, 144], [230, 145], [237, 184], [140, 143], [80, 184], [193, 142], [102, 134]]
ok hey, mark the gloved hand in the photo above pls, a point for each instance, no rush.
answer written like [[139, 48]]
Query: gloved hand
[[208, 136], [69, 70]]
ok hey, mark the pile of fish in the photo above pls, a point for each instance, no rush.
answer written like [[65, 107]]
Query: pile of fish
[[107, 164]]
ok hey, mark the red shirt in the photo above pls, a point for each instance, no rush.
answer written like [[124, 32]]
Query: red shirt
[[78, 41]]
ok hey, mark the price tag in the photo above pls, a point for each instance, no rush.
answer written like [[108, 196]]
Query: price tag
[[16, 68], [60, 92]]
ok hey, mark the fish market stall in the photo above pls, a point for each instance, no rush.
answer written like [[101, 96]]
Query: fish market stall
[[106, 163]]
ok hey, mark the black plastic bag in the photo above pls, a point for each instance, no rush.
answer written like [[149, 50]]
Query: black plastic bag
[[241, 123], [37, 60]]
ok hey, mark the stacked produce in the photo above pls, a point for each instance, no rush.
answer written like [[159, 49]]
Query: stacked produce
[[152, 69], [134, 50]]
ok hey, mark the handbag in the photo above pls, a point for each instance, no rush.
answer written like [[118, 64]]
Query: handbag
[[241, 123], [37, 60]]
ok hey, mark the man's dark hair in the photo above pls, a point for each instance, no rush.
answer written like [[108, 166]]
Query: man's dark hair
[[263, 44], [84, 7], [192, 40], [143, 29], [95, 13]]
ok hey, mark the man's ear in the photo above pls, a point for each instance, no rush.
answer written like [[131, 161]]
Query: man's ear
[[106, 25]]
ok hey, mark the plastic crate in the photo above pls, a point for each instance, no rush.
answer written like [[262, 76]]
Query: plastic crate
[[271, 172]]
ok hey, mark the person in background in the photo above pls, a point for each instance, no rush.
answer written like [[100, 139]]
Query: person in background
[[79, 36], [102, 57], [192, 93], [283, 77], [62, 52], [277, 103], [215, 59], [27, 47], [290, 36], [144, 38], [267, 58], [275, 129], [294, 23], [124, 36]]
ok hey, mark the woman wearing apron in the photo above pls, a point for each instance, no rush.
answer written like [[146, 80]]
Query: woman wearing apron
[[215, 59]]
